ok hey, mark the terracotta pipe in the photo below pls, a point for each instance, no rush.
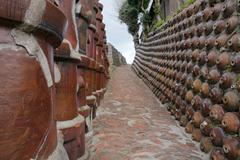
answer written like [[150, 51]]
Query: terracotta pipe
[[29, 97]]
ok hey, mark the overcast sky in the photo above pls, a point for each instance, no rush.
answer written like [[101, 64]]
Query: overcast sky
[[117, 33]]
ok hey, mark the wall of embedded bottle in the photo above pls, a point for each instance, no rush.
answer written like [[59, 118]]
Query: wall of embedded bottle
[[192, 65], [53, 74]]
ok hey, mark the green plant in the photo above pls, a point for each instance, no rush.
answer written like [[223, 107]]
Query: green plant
[[157, 10], [186, 4], [229, 68], [159, 23], [145, 4], [146, 19], [238, 77], [129, 15]]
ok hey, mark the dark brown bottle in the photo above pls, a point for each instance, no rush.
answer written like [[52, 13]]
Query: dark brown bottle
[[189, 67], [231, 123], [186, 45], [189, 82], [231, 147], [189, 127], [217, 113], [207, 13], [208, 28], [216, 95], [189, 96], [183, 66], [177, 65], [204, 73], [183, 121], [206, 145], [206, 107], [196, 6], [194, 45], [186, 34], [203, 4], [211, 58], [223, 61], [231, 101], [210, 43], [217, 154], [231, 24], [183, 78], [221, 41], [190, 11], [197, 119], [217, 135], [234, 43], [188, 56], [183, 92], [205, 89], [183, 107], [202, 40], [197, 85], [196, 102], [195, 55], [228, 8], [178, 102], [200, 29], [196, 70], [174, 73], [206, 126], [172, 110], [214, 76], [198, 18], [197, 135], [189, 112], [219, 26], [235, 63], [216, 11], [177, 114], [202, 57], [226, 80], [179, 76]]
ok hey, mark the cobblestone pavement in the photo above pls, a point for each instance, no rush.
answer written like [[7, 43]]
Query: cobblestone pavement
[[132, 125]]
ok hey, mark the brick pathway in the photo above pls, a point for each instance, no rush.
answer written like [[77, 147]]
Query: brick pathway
[[133, 125]]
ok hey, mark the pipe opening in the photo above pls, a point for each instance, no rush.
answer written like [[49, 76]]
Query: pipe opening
[[233, 63], [225, 100], [225, 149], [224, 123]]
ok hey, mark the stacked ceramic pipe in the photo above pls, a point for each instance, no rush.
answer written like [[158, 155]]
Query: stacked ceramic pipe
[[53, 60], [192, 64], [83, 67]]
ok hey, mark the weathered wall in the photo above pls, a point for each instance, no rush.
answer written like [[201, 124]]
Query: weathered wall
[[115, 57], [192, 65], [168, 7]]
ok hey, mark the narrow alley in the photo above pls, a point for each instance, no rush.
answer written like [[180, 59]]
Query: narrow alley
[[120, 80], [131, 125]]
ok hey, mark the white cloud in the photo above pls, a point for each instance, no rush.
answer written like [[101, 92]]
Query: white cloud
[[117, 33]]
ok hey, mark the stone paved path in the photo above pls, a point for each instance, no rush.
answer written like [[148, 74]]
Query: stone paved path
[[132, 125]]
